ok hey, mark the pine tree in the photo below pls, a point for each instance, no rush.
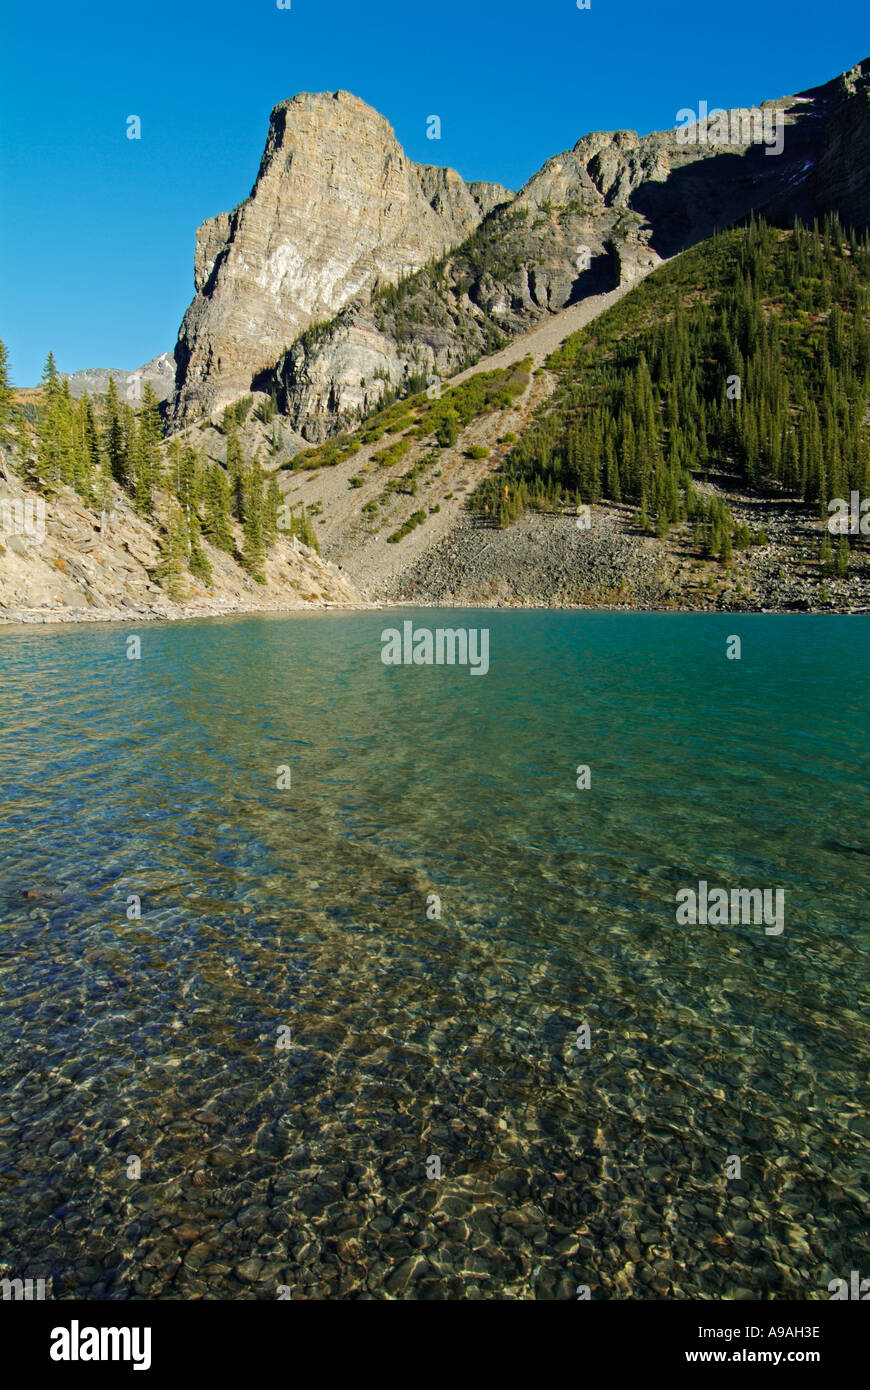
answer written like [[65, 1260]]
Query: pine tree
[[217, 509], [49, 373], [66, 412], [150, 437], [301, 527], [87, 449], [172, 567], [141, 461], [172, 476], [114, 438], [612, 483], [186, 480], [55, 454], [725, 550], [271, 510], [7, 394], [236, 472], [253, 549], [199, 564]]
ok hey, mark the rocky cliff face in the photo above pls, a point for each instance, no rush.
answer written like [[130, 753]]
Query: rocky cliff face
[[339, 214], [594, 217], [840, 177], [60, 561], [337, 209]]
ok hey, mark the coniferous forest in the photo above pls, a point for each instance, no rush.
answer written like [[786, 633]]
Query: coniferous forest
[[745, 360], [91, 443], [747, 356]]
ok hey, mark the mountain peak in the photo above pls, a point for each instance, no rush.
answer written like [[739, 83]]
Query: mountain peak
[[336, 208]]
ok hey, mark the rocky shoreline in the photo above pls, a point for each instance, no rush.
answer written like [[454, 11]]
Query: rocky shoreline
[[546, 561], [70, 564], [80, 574], [10, 617]]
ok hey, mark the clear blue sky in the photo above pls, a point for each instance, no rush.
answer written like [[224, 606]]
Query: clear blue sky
[[97, 231]]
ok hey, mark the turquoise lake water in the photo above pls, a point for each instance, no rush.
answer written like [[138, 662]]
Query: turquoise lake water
[[416, 1037]]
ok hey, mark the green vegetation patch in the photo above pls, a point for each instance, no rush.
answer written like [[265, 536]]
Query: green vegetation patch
[[749, 356], [394, 453], [327, 455], [415, 519]]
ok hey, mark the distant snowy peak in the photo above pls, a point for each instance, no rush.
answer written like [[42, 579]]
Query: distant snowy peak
[[160, 371]]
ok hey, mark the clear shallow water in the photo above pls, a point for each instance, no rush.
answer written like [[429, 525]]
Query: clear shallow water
[[305, 1167]]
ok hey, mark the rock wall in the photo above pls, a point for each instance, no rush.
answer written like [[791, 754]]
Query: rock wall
[[339, 213], [60, 561], [336, 209]]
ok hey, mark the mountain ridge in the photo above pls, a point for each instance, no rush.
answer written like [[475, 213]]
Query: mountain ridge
[[593, 217], [336, 208]]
